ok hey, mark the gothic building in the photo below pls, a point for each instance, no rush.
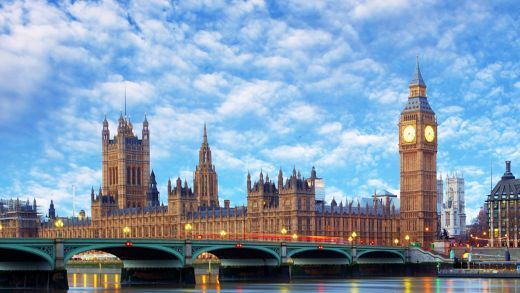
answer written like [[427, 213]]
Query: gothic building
[[453, 215], [418, 160], [283, 208], [19, 219]]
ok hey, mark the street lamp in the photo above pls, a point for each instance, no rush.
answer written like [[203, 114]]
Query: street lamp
[[59, 224], [407, 238], [126, 231], [396, 241], [295, 237], [350, 240], [187, 229], [283, 231], [353, 235], [223, 234]]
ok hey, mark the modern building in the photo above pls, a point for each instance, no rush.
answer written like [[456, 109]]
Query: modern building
[[453, 215], [18, 219], [503, 208], [127, 203], [418, 160]]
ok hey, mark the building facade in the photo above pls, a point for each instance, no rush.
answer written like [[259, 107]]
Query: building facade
[[285, 208], [418, 161], [503, 211], [18, 219], [453, 215]]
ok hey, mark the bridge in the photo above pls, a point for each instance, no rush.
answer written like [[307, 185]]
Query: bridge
[[277, 260]]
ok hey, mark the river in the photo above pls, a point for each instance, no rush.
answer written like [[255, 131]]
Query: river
[[108, 280]]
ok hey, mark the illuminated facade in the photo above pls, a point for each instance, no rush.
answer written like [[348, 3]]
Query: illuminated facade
[[418, 160], [127, 204], [503, 208]]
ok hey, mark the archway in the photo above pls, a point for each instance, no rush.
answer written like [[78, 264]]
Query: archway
[[380, 257]]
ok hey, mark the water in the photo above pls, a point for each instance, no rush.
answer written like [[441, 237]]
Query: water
[[108, 280]]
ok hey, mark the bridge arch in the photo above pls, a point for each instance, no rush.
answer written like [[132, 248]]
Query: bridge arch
[[29, 250], [221, 250], [380, 254], [325, 252], [117, 249]]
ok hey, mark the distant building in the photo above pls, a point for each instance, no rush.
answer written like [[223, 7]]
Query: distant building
[[18, 219], [503, 209], [453, 215]]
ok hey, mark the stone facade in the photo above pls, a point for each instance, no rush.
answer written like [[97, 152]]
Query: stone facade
[[503, 207], [418, 154], [281, 209], [18, 219], [453, 215]]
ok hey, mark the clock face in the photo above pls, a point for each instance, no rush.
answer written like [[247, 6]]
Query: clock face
[[429, 133], [409, 133]]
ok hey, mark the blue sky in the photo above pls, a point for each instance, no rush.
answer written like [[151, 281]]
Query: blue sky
[[279, 84]]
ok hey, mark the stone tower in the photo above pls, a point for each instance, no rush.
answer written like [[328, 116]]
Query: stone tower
[[418, 161], [205, 178], [126, 164]]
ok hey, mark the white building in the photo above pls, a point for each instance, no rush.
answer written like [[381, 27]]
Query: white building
[[453, 215]]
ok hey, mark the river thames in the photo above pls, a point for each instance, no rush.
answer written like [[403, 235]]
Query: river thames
[[96, 282]]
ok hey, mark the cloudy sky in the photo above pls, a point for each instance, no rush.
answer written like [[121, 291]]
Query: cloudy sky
[[301, 83]]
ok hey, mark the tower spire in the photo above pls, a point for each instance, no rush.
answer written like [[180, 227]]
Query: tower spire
[[417, 85], [205, 135]]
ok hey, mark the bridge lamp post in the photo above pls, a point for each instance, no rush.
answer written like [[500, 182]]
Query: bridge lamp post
[[350, 239], [294, 237], [223, 234], [353, 235], [407, 238], [59, 224], [396, 241], [126, 231], [283, 231], [187, 229]]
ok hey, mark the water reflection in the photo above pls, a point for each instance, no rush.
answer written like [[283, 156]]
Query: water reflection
[[90, 280], [109, 280]]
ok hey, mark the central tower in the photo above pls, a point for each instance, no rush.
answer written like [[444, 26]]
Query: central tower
[[126, 164], [205, 180], [418, 161]]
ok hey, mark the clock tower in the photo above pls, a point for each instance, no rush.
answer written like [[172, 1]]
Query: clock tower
[[418, 165]]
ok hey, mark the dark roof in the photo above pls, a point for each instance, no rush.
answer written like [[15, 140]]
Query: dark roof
[[418, 104], [508, 185], [417, 76]]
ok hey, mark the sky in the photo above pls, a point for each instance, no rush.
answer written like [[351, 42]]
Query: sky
[[279, 84]]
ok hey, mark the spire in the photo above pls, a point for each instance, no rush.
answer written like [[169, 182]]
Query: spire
[[417, 76], [205, 136]]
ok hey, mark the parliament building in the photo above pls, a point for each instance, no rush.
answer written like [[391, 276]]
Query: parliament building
[[282, 208]]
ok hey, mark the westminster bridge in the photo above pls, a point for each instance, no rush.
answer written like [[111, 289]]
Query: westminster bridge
[[48, 258]]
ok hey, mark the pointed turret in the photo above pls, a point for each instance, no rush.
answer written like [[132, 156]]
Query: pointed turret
[[417, 85], [52, 211], [205, 136], [92, 194], [280, 179], [152, 196], [248, 181], [169, 186]]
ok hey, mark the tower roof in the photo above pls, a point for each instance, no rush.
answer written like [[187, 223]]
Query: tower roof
[[205, 135], [417, 76]]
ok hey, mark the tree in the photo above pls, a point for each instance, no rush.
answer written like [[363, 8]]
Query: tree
[[478, 231]]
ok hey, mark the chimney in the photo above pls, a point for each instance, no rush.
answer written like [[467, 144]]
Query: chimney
[[508, 166], [226, 204]]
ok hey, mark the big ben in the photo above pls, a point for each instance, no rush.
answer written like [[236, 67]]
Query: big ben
[[418, 164]]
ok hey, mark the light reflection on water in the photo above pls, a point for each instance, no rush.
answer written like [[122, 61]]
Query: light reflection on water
[[109, 281]]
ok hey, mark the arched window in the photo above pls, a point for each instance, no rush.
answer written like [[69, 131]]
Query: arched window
[[127, 175], [138, 175], [133, 175]]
